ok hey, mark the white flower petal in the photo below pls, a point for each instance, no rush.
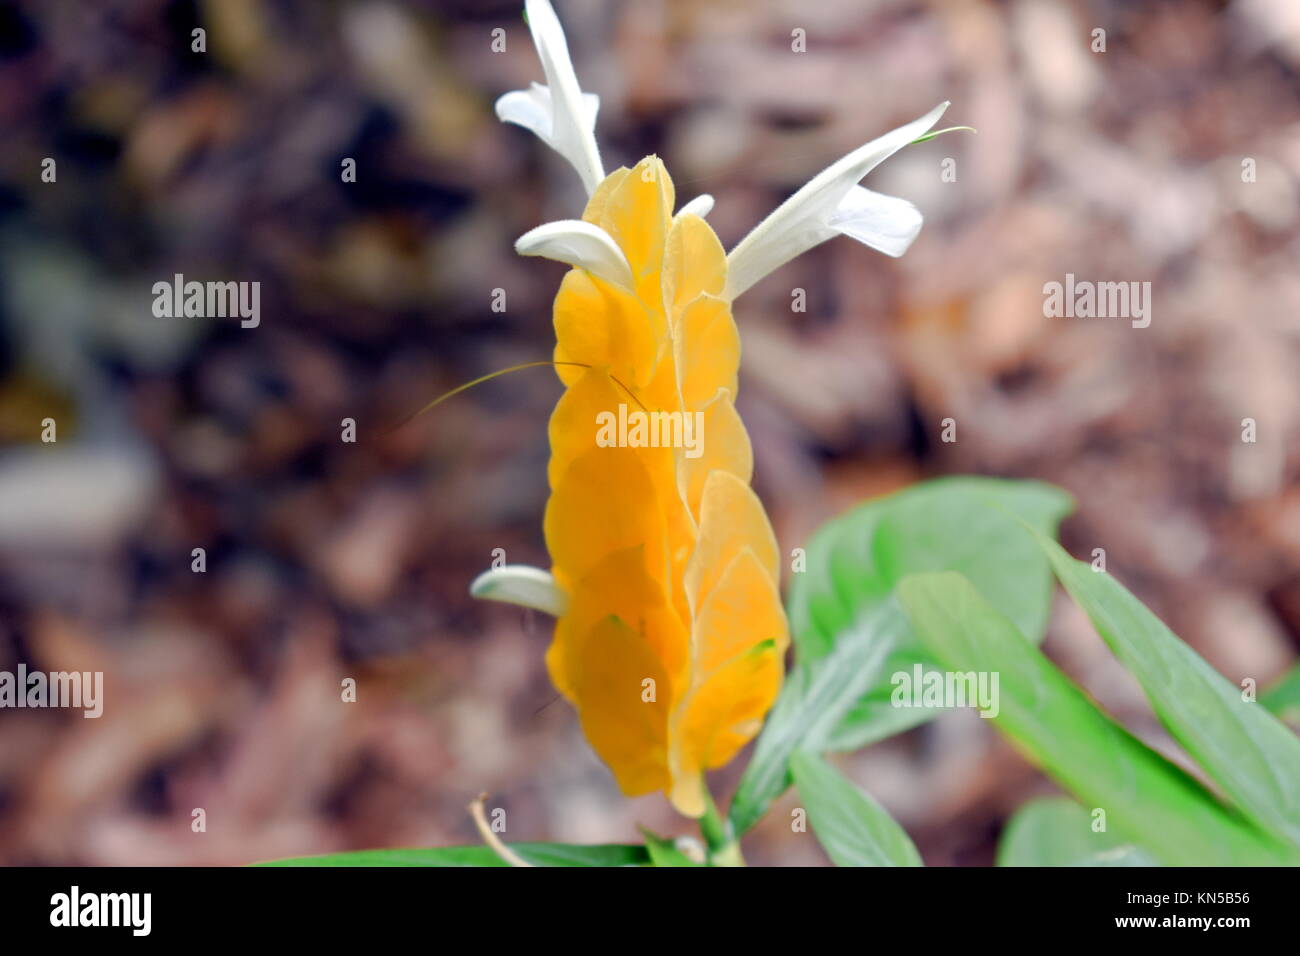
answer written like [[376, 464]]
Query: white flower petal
[[580, 244], [530, 108], [805, 219], [885, 223], [559, 113], [700, 206], [522, 585]]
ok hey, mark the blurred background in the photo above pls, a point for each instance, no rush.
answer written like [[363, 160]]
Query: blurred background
[[327, 560]]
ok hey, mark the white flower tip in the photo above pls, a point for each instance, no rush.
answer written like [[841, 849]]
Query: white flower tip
[[530, 108], [541, 17], [885, 223], [521, 585], [559, 113], [579, 244], [832, 203], [700, 206]]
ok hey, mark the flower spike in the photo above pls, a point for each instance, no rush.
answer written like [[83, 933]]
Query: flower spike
[[832, 204], [559, 113], [670, 634]]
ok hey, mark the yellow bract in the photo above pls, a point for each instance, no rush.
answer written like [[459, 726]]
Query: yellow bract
[[672, 645]]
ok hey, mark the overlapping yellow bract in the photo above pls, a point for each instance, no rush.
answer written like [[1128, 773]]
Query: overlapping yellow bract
[[669, 562]]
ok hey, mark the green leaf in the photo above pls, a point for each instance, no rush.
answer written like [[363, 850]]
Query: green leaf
[[664, 852], [852, 828], [849, 632], [1282, 699], [812, 703], [1146, 798], [539, 854], [1244, 748], [1056, 831], [963, 524], [968, 525]]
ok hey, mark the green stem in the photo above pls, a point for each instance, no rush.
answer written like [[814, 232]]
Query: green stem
[[719, 837]]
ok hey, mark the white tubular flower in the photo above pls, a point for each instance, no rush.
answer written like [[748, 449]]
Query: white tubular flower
[[559, 113], [522, 585], [580, 244], [833, 204]]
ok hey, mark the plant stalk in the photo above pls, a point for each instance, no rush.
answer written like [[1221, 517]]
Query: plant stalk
[[719, 836]]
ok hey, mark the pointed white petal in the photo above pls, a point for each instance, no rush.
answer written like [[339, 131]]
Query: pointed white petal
[[700, 206], [559, 113], [885, 223], [580, 244], [522, 585], [590, 107], [804, 220], [530, 108]]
